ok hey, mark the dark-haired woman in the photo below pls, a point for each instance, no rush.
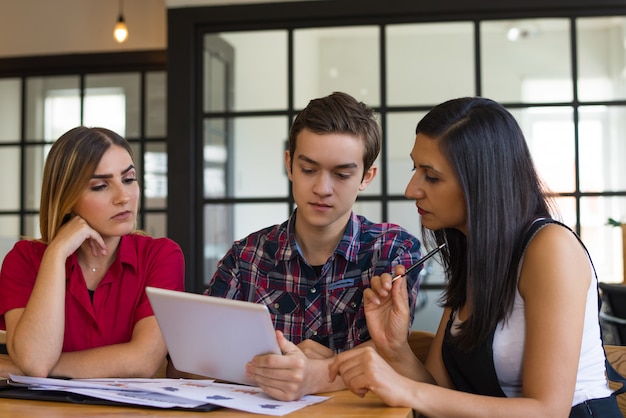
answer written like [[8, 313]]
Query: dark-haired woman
[[519, 336]]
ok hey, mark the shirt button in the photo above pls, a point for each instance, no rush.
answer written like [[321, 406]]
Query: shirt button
[[276, 305], [353, 305], [313, 290], [314, 332]]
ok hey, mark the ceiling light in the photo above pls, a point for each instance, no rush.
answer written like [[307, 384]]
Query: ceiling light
[[519, 32], [120, 32]]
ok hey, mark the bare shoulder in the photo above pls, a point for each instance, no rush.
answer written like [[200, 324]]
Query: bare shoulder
[[554, 257], [556, 240]]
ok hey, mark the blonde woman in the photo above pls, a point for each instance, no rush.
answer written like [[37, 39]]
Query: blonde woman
[[73, 303]]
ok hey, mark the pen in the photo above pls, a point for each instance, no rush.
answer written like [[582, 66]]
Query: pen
[[419, 262]]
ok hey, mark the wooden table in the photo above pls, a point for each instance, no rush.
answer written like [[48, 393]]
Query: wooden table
[[341, 404]]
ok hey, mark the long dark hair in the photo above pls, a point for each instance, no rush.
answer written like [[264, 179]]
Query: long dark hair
[[503, 195]]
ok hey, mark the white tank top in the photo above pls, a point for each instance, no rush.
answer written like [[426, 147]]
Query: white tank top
[[508, 351]]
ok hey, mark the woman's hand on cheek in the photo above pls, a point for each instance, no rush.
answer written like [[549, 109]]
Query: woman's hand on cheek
[[76, 231]]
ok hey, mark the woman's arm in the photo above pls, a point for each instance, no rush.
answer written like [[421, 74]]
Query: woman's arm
[[35, 333], [142, 356], [434, 360], [554, 281]]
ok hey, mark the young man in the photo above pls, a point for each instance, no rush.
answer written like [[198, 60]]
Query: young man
[[311, 270]]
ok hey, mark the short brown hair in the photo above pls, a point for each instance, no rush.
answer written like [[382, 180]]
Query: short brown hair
[[339, 113]]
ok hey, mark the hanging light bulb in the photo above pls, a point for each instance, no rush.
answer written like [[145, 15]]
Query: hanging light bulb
[[120, 32]]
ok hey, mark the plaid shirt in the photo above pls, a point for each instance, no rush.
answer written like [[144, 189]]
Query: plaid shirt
[[267, 267]]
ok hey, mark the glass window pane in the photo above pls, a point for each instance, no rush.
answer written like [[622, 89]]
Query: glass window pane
[[215, 154], [31, 223], [218, 65], [10, 169], [515, 53], [343, 59], [604, 241], [601, 58], [260, 69], [259, 157], [52, 106], [429, 313], [225, 223], [156, 104], [156, 224], [404, 213], [549, 132], [602, 148], [256, 160], [371, 210], [113, 102], [35, 159], [218, 227], [9, 233], [252, 217], [411, 80], [565, 210], [400, 139], [155, 175], [11, 105]]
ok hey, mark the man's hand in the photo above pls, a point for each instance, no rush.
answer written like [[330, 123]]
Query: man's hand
[[315, 350], [292, 375], [282, 377]]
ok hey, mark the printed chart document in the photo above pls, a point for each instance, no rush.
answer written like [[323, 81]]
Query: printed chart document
[[172, 393]]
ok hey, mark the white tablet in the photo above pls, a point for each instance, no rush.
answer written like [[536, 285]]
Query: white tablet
[[212, 336]]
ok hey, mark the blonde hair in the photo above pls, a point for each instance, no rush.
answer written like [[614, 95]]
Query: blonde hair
[[70, 164]]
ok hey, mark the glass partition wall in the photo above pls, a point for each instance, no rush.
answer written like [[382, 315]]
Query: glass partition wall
[[562, 76]]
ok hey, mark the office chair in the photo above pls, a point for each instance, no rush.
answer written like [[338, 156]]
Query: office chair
[[613, 313]]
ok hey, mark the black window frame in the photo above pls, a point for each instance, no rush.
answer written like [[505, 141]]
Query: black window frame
[[186, 27], [82, 65]]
